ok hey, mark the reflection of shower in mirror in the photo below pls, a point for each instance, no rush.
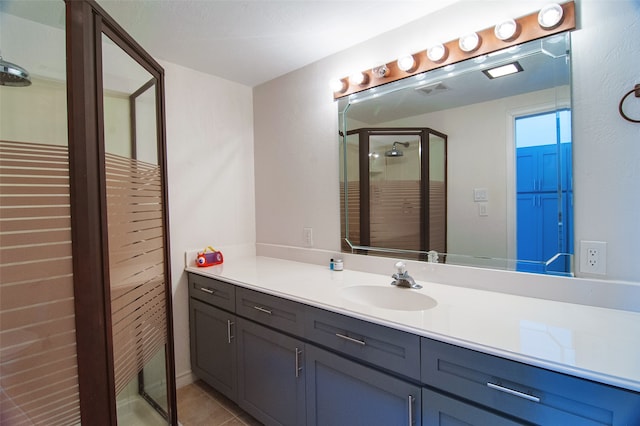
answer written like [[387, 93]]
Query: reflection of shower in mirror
[[394, 151]]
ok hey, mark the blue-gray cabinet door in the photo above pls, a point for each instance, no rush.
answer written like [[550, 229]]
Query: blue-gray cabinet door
[[213, 348], [441, 410], [342, 392], [271, 379]]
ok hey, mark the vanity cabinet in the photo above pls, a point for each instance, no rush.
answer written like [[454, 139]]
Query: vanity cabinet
[[271, 378], [344, 392], [287, 363]]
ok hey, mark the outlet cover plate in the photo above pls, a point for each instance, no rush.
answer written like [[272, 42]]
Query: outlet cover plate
[[593, 257]]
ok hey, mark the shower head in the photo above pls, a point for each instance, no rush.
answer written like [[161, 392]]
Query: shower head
[[394, 151], [13, 75]]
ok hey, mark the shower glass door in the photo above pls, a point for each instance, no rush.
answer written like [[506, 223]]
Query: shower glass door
[[395, 200], [136, 237]]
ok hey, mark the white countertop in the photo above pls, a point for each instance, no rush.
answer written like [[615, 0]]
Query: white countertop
[[589, 342]]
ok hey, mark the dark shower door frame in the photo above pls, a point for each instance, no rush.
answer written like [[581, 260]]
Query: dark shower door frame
[[86, 22], [364, 136]]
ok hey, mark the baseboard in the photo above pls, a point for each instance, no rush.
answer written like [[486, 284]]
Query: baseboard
[[184, 379]]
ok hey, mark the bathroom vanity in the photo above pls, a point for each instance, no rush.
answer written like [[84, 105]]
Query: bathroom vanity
[[294, 344]]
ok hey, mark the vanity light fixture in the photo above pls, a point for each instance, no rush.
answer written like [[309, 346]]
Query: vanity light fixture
[[500, 39], [469, 43], [507, 30], [407, 63], [550, 16], [501, 71], [338, 85], [437, 53], [358, 79]]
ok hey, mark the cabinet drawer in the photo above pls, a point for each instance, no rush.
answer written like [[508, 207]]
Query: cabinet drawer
[[529, 393], [284, 315], [391, 349], [213, 292]]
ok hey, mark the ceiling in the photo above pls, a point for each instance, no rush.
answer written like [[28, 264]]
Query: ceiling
[[252, 42], [249, 42]]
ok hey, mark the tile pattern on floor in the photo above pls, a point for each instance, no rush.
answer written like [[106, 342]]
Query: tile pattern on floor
[[201, 405]]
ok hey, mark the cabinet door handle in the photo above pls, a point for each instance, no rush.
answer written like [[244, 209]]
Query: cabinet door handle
[[411, 399], [261, 309], [207, 290], [351, 339], [513, 392], [229, 336], [298, 366]]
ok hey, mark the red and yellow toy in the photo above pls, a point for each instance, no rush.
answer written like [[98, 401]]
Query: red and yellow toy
[[209, 258]]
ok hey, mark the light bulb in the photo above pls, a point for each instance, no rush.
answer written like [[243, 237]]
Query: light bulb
[[337, 85], [506, 30], [358, 79], [381, 71], [407, 63], [550, 16], [469, 43], [437, 53]]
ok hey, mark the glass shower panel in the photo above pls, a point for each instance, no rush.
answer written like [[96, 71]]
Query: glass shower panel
[[437, 193], [135, 215], [38, 368], [350, 182], [395, 191]]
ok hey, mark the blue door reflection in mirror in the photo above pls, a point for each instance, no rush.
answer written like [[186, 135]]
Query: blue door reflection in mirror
[[544, 192]]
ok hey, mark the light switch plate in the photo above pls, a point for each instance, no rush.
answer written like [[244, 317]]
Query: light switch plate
[[480, 194]]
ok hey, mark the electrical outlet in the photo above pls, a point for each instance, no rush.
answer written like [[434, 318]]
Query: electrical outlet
[[593, 257], [307, 236]]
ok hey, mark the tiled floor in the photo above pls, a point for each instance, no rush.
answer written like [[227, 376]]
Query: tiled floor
[[201, 405]]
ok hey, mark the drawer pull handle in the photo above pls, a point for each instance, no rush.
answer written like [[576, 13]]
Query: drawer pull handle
[[298, 366], [513, 392], [351, 339], [229, 336], [411, 399], [261, 309], [207, 290]]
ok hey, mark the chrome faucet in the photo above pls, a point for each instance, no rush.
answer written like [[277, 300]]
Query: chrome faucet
[[402, 277]]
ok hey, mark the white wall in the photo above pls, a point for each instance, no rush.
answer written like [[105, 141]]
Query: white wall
[[211, 180], [296, 143], [606, 168]]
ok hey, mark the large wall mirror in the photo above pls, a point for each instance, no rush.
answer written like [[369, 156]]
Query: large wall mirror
[[501, 160]]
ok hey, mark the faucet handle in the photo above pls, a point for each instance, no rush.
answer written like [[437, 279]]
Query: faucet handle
[[402, 267]]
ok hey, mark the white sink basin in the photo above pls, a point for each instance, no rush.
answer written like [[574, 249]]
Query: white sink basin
[[396, 298]]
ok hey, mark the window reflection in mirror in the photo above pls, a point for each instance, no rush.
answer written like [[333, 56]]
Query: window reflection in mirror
[[484, 218]]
